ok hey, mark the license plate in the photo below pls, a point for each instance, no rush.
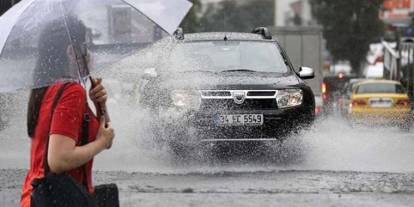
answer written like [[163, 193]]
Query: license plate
[[239, 119], [381, 103]]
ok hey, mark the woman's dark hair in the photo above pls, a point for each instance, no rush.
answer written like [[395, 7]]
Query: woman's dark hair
[[53, 62]]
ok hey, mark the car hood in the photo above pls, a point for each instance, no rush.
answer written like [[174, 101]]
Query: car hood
[[229, 81]]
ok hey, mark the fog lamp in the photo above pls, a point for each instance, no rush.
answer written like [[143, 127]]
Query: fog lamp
[[187, 99]]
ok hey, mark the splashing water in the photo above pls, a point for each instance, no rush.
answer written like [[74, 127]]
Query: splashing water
[[331, 144]]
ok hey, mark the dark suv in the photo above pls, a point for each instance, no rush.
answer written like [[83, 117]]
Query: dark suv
[[227, 87]]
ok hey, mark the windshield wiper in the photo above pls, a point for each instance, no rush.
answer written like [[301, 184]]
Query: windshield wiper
[[239, 70]]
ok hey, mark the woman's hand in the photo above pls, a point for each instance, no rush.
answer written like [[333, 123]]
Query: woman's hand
[[98, 93], [105, 134], [64, 155]]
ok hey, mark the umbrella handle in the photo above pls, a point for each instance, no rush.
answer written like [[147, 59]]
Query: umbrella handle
[[103, 111]]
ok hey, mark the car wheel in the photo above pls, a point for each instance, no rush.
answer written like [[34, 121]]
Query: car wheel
[[184, 152], [156, 129], [289, 151]]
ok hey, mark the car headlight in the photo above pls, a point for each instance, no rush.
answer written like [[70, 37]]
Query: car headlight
[[187, 99], [289, 98]]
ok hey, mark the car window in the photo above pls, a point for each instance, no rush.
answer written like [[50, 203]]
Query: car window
[[217, 56], [379, 88]]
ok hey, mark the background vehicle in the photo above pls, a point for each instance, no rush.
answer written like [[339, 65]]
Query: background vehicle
[[332, 90], [304, 46], [380, 102], [346, 94], [228, 87], [318, 106]]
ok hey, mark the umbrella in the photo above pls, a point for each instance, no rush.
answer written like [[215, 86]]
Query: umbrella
[[42, 41]]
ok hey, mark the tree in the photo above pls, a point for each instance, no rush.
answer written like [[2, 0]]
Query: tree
[[192, 21], [233, 16], [229, 16], [349, 27]]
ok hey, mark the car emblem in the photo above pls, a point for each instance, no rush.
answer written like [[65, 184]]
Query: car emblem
[[239, 97]]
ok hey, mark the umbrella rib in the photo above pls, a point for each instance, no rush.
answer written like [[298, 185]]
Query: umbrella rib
[[136, 9], [23, 9], [70, 39]]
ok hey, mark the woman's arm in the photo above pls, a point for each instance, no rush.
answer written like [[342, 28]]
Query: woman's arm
[[64, 155]]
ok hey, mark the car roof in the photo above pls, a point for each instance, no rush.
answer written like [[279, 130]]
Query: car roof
[[377, 81], [217, 36]]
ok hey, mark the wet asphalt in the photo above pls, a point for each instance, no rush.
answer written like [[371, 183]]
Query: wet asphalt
[[264, 188], [338, 166]]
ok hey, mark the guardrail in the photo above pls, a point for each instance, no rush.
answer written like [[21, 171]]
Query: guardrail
[[407, 66], [391, 58]]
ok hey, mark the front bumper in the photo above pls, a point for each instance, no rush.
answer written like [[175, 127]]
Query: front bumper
[[392, 116], [200, 126]]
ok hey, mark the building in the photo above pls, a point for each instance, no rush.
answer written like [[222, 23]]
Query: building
[[287, 12], [293, 13], [397, 12], [121, 25], [214, 3], [218, 1]]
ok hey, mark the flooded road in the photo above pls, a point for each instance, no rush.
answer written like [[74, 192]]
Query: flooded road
[[249, 188], [339, 166]]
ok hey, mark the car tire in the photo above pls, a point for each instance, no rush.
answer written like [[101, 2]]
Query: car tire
[[289, 151], [183, 152]]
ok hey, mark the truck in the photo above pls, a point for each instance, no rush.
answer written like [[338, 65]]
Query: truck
[[305, 47]]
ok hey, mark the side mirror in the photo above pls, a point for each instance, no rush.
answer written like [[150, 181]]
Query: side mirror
[[306, 73], [150, 73]]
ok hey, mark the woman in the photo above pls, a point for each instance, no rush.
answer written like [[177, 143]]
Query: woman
[[63, 125]]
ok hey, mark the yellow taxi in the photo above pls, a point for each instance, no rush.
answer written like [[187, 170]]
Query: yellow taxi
[[380, 102]]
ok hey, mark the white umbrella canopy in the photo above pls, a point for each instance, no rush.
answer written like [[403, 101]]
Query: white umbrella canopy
[[43, 41]]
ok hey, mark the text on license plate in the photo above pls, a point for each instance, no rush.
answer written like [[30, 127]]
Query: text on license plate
[[240, 119], [381, 103]]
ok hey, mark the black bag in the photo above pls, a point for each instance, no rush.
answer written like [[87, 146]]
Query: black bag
[[60, 191], [107, 195]]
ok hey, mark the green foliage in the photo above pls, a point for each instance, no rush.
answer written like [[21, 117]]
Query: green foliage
[[349, 26], [192, 21], [230, 16]]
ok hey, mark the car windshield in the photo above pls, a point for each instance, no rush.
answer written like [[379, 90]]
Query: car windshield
[[379, 88], [221, 56]]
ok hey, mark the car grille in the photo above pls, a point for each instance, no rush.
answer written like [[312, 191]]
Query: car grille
[[261, 93], [216, 94], [217, 100]]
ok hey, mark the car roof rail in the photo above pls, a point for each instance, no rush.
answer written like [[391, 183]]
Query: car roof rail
[[264, 32], [179, 34]]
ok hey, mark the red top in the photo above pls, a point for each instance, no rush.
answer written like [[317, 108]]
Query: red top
[[67, 121]]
